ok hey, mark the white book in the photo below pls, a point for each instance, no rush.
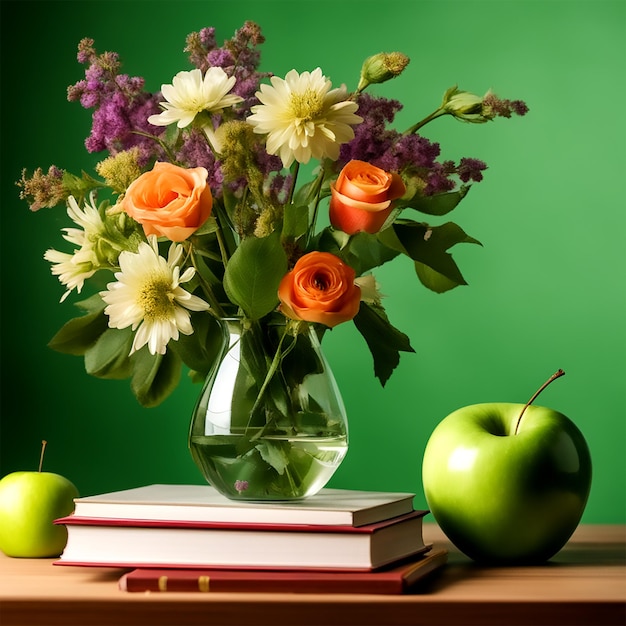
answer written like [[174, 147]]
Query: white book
[[203, 503], [144, 543]]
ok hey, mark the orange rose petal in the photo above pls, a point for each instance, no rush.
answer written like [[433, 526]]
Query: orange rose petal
[[357, 204], [320, 289], [170, 201], [361, 198]]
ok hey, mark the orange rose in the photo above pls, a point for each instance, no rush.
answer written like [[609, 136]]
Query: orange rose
[[362, 197], [170, 201], [320, 288]]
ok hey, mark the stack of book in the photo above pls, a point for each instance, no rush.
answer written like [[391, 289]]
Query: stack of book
[[189, 537]]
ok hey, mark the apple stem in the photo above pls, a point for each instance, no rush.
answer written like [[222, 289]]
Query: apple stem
[[43, 449], [554, 376]]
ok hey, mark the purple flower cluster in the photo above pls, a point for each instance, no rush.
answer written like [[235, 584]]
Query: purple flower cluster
[[238, 57], [277, 183], [196, 152], [372, 140], [493, 106], [412, 154], [471, 170], [121, 107]]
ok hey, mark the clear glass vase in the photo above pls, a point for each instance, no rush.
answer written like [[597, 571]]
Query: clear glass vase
[[270, 423]]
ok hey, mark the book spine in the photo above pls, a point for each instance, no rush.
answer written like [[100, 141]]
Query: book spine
[[172, 582]]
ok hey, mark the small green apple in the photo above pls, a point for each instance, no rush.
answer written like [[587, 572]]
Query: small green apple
[[29, 504], [505, 489]]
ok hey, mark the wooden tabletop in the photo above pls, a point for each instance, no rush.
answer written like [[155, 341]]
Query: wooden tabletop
[[585, 584]]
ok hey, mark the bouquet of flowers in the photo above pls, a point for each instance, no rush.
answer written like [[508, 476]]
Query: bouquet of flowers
[[198, 212]]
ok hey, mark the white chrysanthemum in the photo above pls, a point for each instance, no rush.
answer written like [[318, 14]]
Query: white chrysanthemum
[[74, 269], [148, 297], [88, 219], [303, 117], [71, 271], [190, 94]]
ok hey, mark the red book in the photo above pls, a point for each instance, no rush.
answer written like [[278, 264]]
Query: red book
[[185, 544], [397, 579]]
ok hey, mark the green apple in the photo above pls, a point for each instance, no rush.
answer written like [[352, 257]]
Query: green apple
[[29, 503], [507, 483]]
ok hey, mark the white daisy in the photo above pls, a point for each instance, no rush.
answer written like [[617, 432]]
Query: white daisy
[[190, 94], [71, 271], [88, 219], [303, 117], [148, 297], [74, 269]]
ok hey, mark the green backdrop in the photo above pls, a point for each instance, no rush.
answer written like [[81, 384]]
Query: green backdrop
[[546, 291]]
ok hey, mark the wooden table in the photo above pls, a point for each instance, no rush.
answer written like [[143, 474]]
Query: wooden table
[[584, 584]]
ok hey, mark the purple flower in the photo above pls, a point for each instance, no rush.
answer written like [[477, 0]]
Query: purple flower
[[238, 57], [241, 485], [471, 169], [121, 106], [196, 152], [410, 154], [493, 106]]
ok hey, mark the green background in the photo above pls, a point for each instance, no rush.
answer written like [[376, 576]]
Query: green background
[[546, 291]]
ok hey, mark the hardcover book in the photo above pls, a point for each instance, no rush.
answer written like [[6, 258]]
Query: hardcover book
[[204, 504], [397, 579], [184, 544]]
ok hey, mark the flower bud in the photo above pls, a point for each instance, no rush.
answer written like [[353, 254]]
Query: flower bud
[[382, 67], [465, 106]]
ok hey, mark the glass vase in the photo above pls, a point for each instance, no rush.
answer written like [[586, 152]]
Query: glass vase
[[270, 423]]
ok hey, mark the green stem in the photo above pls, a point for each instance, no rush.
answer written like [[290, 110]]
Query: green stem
[[294, 173], [206, 286], [318, 192], [434, 115], [554, 376], [278, 356], [166, 148], [268, 377], [222, 245]]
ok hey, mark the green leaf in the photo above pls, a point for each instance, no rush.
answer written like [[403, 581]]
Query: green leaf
[[93, 304], [80, 333], [438, 204], [205, 268], [210, 226], [433, 280], [275, 454], [108, 357], [295, 222], [365, 252], [300, 361], [155, 376], [79, 187], [311, 192], [361, 251], [330, 240], [199, 350], [428, 246], [253, 274], [384, 340]]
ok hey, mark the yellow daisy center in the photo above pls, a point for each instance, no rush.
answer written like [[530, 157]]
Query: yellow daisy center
[[306, 106], [155, 298]]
